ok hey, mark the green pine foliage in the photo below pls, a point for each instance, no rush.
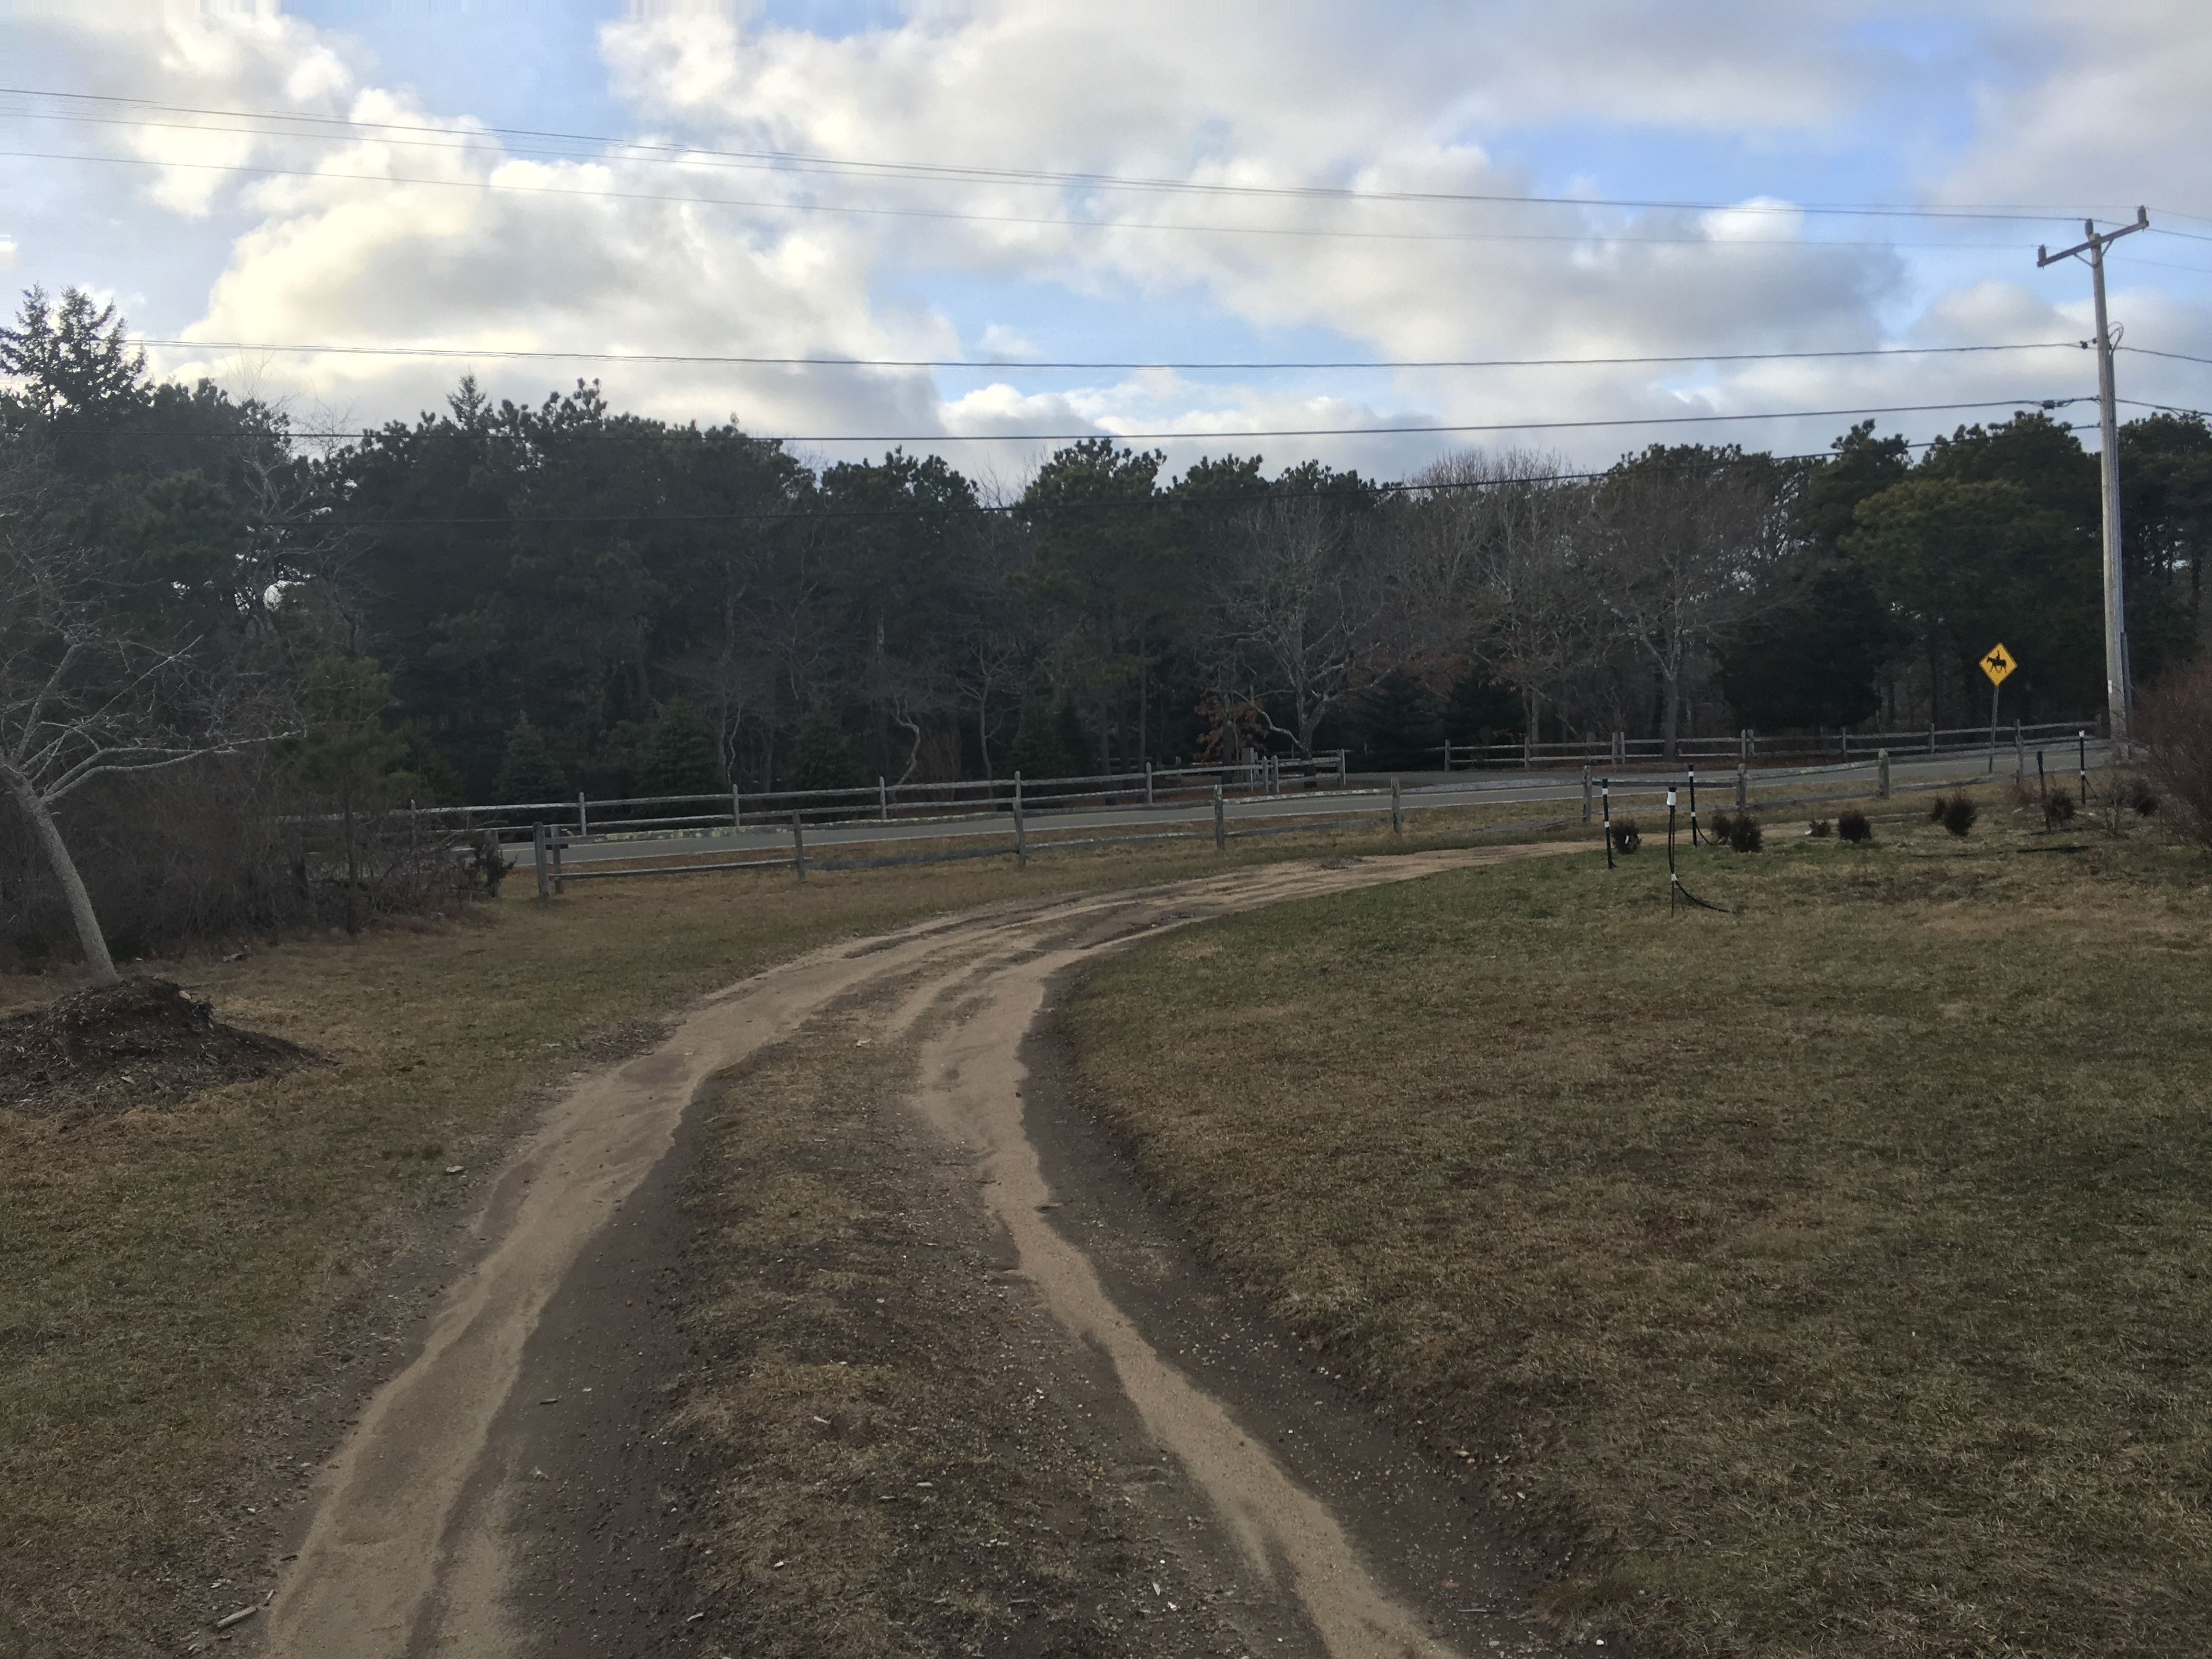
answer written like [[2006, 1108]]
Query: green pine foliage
[[528, 772], [680, 758], [1040, 747], [822, 755], [1398, 725]]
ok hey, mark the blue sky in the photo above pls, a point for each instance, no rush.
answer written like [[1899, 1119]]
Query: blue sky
[[1731, 102]]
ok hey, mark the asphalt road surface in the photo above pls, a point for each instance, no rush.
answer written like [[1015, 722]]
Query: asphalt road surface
[[1545, 793]]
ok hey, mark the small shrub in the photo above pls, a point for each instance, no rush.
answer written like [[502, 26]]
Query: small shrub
[[488, 865], [1627, 837], [2057, 810], [1820, 828], [1745, 834], [2176, 726], [2123, 799], [1723, 830], [1853, 827], [1959, 813]]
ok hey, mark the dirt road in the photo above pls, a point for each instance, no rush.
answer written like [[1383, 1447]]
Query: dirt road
[[422, 1540]]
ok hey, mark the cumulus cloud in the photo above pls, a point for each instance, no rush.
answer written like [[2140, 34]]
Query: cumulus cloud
[[435, 230]]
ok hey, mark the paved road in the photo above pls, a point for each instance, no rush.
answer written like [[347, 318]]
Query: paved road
[[1543, 791]]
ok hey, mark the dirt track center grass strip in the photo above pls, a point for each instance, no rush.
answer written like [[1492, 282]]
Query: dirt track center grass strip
[[1830, 1278], [172, 1272]]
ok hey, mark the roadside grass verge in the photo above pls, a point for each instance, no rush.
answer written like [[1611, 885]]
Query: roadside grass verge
[[196, 1294], [1831, 1277]]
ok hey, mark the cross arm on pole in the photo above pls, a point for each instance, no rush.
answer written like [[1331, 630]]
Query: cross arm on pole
[[2096, 241]]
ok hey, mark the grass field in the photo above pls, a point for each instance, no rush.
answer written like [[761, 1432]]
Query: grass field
[[1831, 1277], [180, 1279]]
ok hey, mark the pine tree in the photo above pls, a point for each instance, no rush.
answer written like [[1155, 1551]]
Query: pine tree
[[528, 772], [680, 758], [1040, 746], [822, 757], [1398, 721], [348, 757]]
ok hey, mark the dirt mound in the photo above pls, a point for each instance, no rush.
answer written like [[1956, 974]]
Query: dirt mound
[[141, 1043]]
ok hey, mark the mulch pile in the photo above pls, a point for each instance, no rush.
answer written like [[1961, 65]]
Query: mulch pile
[[143, 1042]]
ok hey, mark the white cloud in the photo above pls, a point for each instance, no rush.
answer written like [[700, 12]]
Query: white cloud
[[386, 242]]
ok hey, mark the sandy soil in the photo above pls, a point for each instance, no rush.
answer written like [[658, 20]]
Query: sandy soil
[[468, 1513]]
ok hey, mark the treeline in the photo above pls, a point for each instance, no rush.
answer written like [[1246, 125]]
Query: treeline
[[567, 598]]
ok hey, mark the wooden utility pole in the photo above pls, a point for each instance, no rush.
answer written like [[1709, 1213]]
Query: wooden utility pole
[[2118, 694]]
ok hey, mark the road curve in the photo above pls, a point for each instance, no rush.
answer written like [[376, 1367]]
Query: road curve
[[395, 1563]]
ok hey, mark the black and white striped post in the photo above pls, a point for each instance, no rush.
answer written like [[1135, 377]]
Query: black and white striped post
[[1674, 882], [1605, 800], [1693, 803]]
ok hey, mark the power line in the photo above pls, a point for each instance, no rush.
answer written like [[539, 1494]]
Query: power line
[[1237, 435], [802, 161], [2166, 408], [1062, 222], [470, 352], [2176, 356]]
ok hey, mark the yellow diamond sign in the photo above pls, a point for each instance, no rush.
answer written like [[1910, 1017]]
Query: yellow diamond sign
[[1998, 664]]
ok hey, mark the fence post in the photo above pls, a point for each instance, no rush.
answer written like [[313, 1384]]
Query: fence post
[[1021, 828], [1586, 792], [2019, 755], [1931, 734], [1397, 808], [883, 801], [1446, 754], [1148, 783], [537, 851], [583, 817], [1220, 823], [1620, 748], [1742, 784], [737, 809], [798, 844], [1881, 788], [1340, 756]]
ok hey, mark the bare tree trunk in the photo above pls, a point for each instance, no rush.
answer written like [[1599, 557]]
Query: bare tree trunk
[[89, 939]]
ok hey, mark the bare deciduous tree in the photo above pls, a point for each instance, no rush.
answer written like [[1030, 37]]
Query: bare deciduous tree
[[1683, 539], [83, 697], [1295, 601], [1529, 605]]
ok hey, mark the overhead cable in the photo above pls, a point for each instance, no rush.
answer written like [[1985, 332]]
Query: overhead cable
[[1006, 364], [800, 160], [508, 187]]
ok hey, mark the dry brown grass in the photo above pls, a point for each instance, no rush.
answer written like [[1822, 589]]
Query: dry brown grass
[[173, 1271], [1830, 1278], [910, 1460]]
